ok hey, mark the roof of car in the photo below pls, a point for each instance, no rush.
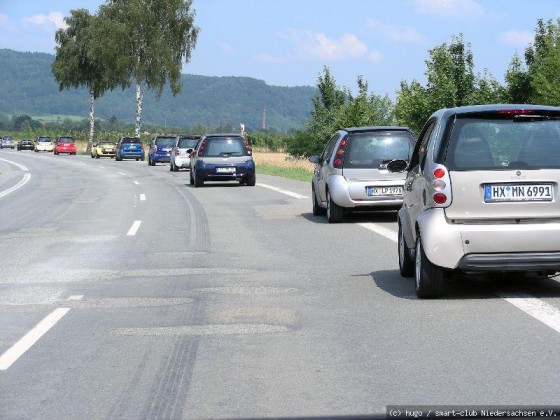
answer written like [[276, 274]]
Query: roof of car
[[223, 135], [495, 107], [376, 128]]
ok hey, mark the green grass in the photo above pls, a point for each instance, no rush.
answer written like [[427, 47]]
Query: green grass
[[300, 174]]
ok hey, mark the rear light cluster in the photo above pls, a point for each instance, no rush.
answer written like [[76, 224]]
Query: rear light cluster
[[339, 156], [201, 149], [441, 184]]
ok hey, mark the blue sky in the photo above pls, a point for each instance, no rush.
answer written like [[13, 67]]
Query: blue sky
[[288, 42]]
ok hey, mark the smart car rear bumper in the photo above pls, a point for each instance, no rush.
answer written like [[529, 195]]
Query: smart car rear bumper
[[489, 247], [351, 194]]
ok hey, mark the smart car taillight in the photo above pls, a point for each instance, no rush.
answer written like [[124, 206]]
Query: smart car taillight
[[201, 149], [441, 195], [339, 156]]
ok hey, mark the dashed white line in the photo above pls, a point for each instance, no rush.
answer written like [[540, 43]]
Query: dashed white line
[[26, 342], [122, 173], [134, 228], [75, 297], [136, 182], [142, 197], [280, 190]]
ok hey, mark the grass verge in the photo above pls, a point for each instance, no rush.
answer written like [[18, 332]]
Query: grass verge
[[301, 174]]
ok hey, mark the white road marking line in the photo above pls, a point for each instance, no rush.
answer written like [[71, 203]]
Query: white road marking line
[[23, 168], [122, 173], [75, 297], [136, 182], [24, 180], [383, 231], [142, 197], [542, 311], [280, 190], [26, 342], [134, 228], [20, 184]]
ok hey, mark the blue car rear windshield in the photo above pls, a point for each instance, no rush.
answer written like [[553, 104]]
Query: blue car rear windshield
[[130, 140], [224, 146], [166, 141]]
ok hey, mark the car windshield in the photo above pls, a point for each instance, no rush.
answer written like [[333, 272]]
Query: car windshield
[[485, 143], [44, 140], [370, 149], [186, 143], [166, 141], [65, 140], [224, 146]]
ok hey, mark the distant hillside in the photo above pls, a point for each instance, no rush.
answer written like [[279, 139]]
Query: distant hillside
[[27, 87]]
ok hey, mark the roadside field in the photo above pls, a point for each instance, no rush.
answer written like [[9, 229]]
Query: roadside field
[[282, 164]]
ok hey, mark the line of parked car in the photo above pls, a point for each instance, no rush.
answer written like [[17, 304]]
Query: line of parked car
[[62, 144], [477, 192]]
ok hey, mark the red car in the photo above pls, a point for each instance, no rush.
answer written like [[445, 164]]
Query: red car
[[65, 144]]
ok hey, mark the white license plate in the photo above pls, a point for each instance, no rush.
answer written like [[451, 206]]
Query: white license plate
[[228, 170], [374, 191], [517, 192]]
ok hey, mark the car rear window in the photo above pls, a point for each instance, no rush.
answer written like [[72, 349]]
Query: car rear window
[[186, 143], [165, 141], [65, 140], [224, 146], [44, 139], [371, 149], [504, 143]]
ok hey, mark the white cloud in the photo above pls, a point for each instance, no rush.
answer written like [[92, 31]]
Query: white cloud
[[3, 18], [396, 33], [449, 8], [55, 18], [320, 46], [271, 59], [517, 39], [227, 49]]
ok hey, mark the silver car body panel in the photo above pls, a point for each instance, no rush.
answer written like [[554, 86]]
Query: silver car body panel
[[351, 192]]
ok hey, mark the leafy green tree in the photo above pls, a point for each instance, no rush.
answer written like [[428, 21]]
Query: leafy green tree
[[148, 40], [518, 83], [451, 82], [75, 65], [335, 108], [543, 60], [413, 106]]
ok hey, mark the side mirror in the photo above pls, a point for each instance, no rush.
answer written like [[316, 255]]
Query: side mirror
[[314, 159], [397, 165]]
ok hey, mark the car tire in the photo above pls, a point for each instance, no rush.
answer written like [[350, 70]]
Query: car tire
[[252, 180], [151, 162], [191, 179], [335, 213], [428, 276], [198, 182], [406, 262], [96, 156], [317, 209], [175, 168]]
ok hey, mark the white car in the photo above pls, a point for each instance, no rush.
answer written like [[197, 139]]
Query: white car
[[181, 152], [43, 144]]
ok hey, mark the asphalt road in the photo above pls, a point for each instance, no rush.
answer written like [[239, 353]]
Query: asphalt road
[[127, 293]]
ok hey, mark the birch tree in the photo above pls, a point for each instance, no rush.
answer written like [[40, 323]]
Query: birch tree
[[149, 39], [75, 66]]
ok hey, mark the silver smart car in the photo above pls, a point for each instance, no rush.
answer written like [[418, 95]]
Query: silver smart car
[[351, 173], [481, 194]]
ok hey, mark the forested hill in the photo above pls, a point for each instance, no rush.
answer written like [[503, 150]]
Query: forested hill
[[27, 87]]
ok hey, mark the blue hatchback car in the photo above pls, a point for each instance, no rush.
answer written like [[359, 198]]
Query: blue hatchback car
[[130, 148], [160, 149], [222, 157]]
